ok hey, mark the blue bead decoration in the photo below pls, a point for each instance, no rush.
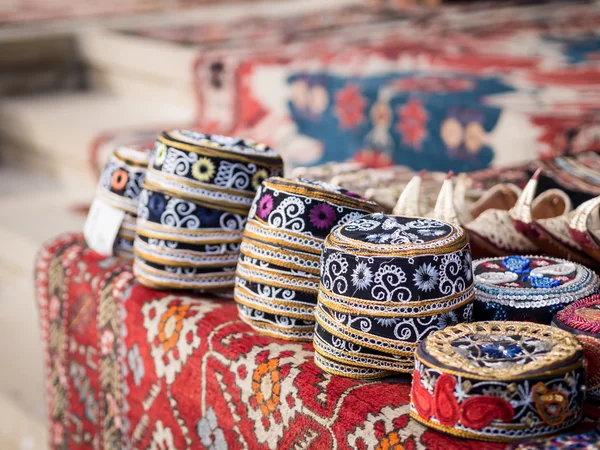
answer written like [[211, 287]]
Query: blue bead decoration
[[543, 282], [558, 307], [499, 311], [517, 264], [501, 351], [537, 292]]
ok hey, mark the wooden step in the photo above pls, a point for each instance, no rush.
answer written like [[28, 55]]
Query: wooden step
[[34, 209], [52, 134], [123, 61], [18, 429]]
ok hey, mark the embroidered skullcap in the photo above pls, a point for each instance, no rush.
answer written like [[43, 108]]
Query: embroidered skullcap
[[194, 206], [120, 186], [528, 288], [550, 232], [498, 381], [582, 318], [386, 283], [216, 171], [278, 270]]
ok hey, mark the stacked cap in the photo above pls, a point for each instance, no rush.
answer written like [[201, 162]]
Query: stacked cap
[[498, 381], [120, 186], [194, 206], [278, 271], [528, 288], [386, 283], [582, 318]]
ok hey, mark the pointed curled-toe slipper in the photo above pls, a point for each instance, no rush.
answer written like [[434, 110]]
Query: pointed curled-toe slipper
[[444, 208], [584, 227], [544, 220], [491, 231], [408, 203], [502, 196], [408, 197]]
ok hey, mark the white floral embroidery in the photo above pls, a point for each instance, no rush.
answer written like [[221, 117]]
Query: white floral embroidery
[[379, 238], [362, 276], [468, 266], [366, 224], [426, 277], [387, 321], [428, 232]]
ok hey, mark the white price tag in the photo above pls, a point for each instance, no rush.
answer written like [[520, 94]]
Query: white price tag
[[102, 226]]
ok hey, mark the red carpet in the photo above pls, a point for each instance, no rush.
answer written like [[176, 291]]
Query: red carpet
[[129, 367]]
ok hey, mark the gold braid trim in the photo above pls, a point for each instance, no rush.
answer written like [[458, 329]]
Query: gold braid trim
[[361, 248], [182, 277], [318, 193], [402, 366], [277, 283], [200, 232], [316, 249], [202, 185], [216, 204], [475, 376], [470, 435], [261, 307], [141, 163], [565, 347], [186, 240], [217, 151], [320, 362], [343, 332], [153, 284], [169, 262], [332, 304], [281, 263], [185, 252], [117, 201], [287, 334], [126, 234], [341, 361], [199, 237]]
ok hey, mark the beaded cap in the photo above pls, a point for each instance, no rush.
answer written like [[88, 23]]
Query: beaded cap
[[582, 318], [530, 288], [583, 315], [498, 381]]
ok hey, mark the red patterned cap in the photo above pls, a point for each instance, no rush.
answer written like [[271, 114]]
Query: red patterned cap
[[582, 315]]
